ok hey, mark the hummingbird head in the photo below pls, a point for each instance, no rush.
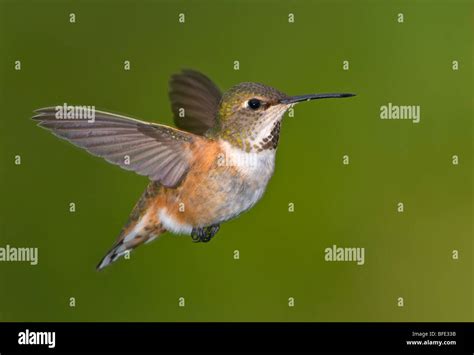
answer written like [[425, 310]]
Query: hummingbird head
[[250, 114]]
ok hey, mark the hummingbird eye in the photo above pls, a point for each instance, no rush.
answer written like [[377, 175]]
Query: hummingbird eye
[[254, 104]]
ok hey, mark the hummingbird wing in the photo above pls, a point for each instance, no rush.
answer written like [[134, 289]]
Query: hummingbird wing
[[162, 153], [194, 101]]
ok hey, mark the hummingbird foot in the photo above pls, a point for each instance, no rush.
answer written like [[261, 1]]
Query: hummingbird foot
[[204, 234]]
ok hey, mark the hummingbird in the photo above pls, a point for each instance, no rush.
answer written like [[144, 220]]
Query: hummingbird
[[210, 169]]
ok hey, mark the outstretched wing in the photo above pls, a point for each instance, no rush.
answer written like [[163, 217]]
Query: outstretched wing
[[162, 153], [194, 101]]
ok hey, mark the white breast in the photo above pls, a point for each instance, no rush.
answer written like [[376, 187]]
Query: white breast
[[256, 168]]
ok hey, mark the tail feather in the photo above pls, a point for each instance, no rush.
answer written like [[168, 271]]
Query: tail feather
[[121, 248], [142, 227]]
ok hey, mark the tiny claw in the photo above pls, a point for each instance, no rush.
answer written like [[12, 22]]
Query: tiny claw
[[204, 234]]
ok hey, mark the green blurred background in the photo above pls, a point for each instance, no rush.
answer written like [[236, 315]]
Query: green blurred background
[[408, 254]]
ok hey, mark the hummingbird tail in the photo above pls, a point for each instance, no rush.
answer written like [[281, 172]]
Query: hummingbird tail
[[142, 227]]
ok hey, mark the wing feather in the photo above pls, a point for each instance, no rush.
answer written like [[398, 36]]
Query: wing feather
[[198, 96], [162, 153]]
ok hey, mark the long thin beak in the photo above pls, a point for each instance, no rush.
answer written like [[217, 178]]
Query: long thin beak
[[299, 98]]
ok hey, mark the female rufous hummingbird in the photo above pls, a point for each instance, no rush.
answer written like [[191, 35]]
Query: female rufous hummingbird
[[210, 170]]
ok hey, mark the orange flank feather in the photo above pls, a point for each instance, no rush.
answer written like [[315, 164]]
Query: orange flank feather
[[193, 201]]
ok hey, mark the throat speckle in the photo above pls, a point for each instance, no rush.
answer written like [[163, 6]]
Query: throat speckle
[[271, 141]]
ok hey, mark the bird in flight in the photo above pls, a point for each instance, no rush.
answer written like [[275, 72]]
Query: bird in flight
[[213, 167]]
